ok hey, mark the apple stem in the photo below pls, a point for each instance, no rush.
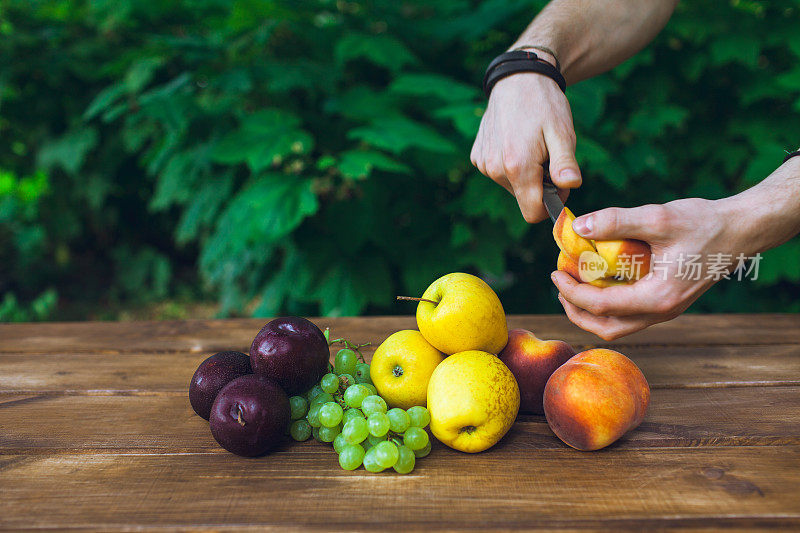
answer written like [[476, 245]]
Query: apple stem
[[239, 416], [411, 298]]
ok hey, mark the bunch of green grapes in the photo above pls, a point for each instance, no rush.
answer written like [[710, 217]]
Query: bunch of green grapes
[[344, 408]]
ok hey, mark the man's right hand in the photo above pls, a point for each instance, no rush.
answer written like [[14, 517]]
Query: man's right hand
[[527, 121]]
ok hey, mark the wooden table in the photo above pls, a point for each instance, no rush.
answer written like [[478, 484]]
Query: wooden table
[[96, 432]]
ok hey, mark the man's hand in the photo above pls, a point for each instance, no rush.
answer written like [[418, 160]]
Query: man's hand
[[527, 121], [675, 231]]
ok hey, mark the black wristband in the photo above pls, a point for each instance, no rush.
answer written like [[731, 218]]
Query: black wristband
[[519, 61], [791, 155]]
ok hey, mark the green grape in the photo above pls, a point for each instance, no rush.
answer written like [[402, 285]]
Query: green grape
[[313, 392], [424, 451], [398, 420], [350, 414], [362, 373], [415, 438], [329, 383], [405, 460], [313, 416], [340, 442], [386, 454], [298, 406], [347, 380], [328, 434], [355, 394], [300, 430], [371, 388], [371, 461], [322, 398], [356, 430], [351, 456], [373, 404], [345, 361], [378, 424], [315, 433], [373, 440], [330, 414], [420, 417]]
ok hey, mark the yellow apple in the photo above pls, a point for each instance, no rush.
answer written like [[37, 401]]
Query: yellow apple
[[401, 368], [473, 400], [460, 312]]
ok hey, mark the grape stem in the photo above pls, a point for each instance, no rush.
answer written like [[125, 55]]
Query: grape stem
[[411, 298], [347, 344]]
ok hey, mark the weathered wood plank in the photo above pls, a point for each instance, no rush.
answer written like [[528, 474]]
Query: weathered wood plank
[[544, 488], [674, 367], [165, 423], [213, 335]]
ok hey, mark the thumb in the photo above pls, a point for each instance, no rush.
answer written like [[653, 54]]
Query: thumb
[[645, 223], [564, 170]]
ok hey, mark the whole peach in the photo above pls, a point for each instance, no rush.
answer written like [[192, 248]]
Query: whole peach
[[595, 398], [532, 360]]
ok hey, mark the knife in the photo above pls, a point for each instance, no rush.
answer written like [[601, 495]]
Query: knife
[[552, 202]]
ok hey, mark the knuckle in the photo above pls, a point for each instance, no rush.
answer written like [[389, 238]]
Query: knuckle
[[513, 164], [598, 307], [658, 218]]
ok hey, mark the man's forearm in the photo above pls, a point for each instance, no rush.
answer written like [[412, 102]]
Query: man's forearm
[[768, 214], [592, 36]]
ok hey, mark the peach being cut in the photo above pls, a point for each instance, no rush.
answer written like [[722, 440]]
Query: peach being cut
[[595, 398], [532, 361], [599, 263]]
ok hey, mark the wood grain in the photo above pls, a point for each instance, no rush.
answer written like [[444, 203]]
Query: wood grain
[[96, 433], [298, 489], [200, 336], [674, 367], [165, 423]]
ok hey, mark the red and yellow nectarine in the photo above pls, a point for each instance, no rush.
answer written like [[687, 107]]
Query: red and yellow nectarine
[[532, 361], [595, 398], [576, 251]]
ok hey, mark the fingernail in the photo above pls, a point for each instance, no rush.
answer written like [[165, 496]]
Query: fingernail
[[553, 277], [569, 174], [582, 226]]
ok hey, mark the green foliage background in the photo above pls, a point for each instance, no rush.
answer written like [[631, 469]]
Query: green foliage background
[[312, 157]]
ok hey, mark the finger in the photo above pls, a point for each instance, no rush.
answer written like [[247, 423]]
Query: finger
[[619, 300], [649, 223], [607, 328], [492, 166], [564, 170], [528, 191]]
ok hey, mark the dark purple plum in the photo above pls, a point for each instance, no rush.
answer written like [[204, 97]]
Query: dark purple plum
[[213, 374], [292, 351], [250, 415]]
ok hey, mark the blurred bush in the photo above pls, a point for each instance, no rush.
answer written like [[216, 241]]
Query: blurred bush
[[312, 157]]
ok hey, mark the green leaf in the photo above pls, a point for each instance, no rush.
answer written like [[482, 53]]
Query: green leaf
[[399, 134], [104, 100], [465, 117], [434, 85], [484, 197], [652, 120], [263, 140], [383, 50], [735, 48], [587, 99], [358, 164], [68, 151], [269, 208]]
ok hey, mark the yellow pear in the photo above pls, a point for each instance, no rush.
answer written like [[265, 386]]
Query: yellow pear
[[473, 400], [401, 368], [460, 312]]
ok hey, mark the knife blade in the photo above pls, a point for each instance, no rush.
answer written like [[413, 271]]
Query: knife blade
[[552, 202]]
